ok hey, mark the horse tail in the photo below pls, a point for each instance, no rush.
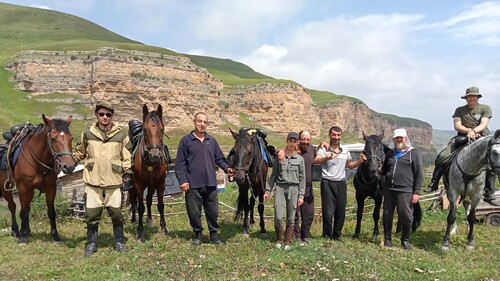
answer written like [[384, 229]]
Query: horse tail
[[417, 216]]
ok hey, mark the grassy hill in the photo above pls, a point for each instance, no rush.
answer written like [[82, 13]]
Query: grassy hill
[[24, 28]]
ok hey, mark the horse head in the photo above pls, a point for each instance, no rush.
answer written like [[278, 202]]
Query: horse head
[[59, 140], [243, 153], [153, 133], [494, 152], [374, 152]]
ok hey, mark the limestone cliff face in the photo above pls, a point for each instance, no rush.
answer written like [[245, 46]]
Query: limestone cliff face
[[128, 79]]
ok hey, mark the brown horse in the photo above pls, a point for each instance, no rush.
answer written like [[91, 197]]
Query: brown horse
[[250, 174], [150, 169], [45, 151]]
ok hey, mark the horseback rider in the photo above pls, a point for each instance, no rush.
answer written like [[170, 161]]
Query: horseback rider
[[470, 122]]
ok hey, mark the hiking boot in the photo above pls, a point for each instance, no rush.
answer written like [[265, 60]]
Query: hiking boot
[[121, 247], [91, 247]]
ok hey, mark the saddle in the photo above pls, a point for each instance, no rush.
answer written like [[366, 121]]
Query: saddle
[[268, 151], [11, 147]]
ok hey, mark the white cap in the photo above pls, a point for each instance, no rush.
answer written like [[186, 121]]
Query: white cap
[[399, 133]]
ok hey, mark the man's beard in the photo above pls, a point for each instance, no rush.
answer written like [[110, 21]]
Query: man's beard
[[400, 146]]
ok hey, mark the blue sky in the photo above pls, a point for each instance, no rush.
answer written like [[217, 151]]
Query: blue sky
[[408, 58]]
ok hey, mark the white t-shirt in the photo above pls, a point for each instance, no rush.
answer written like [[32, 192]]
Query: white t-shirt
[[334, 169]]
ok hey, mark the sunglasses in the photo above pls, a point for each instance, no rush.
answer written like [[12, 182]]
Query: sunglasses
[[108, 114]]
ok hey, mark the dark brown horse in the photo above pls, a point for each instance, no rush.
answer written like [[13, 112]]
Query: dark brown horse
[[367, 182], [44, 152], [250, 174], [150, 169]]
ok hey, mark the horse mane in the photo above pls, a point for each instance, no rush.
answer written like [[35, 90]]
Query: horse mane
[[155, 116]]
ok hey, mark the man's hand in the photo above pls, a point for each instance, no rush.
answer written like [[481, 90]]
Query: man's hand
[[266, 196], [415, 198], [362, 157], [300, 202], [280, 154], [185, 186], [230, 172]]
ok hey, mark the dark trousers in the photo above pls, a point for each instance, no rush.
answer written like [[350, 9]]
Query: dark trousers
[[333, 204], [304, 213], [205, 197], [401, 201]]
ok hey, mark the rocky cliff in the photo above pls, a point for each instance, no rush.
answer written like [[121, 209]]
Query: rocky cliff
[[127, 79]]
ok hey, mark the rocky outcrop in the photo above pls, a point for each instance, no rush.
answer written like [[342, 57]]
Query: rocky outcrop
[[127, 79]]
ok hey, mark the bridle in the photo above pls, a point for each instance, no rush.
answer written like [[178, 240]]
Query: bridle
[[55, 154], [145, 147]]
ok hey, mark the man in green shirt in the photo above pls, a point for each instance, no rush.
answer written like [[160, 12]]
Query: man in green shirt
[[470, 121]]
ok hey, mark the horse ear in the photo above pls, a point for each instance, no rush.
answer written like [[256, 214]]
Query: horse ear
[[364, 136], [160, 111], [145, 112], [381, 136], [68, 121], [497, 134], [47, 121], [235, 135]]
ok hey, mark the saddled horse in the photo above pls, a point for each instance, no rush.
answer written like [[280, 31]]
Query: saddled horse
[[466, 177], [250, 174], [150, 170], [45, 150], [367, 181]]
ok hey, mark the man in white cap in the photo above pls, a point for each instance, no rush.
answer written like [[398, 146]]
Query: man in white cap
[[470, 122], [403, 180]]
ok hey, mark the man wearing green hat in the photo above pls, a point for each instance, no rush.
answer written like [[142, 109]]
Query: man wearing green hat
[[104, 147], [470, 122]]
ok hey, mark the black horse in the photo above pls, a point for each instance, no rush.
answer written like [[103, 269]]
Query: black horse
[[250, 174], [368, 182]]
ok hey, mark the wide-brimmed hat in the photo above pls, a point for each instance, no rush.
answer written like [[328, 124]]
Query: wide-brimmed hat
[[104, 105], [472, 91]]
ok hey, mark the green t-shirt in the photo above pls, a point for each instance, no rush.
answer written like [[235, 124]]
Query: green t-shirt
[[471, 118]]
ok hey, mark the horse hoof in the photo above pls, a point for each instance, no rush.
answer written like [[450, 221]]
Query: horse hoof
[[445, 248], [21, 242], [374, 238], [469, 247], [263, 234], [140, 239], [355, 235], [246, 235]]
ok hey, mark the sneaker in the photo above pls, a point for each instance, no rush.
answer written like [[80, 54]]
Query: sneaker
[[287, 247], [387, 243], [217, 242], [278, 245], [307, 240], [406, 245]]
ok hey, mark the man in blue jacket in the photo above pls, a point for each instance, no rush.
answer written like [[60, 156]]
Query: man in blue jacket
[[197, 155]]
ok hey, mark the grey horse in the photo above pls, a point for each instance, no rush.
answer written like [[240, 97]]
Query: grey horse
[[466, 177]]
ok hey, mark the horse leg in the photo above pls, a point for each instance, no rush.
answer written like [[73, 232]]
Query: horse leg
[[133, 204], [471, 219], [251, 209], [262, 224], [50, 196], [376, 217], [452, 216], [149, 203], [246, 227], [12, 208], [140, 211], [25, 197], [161, 207], [359, 214]]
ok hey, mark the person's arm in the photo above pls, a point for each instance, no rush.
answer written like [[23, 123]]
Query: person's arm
[[353, 164], [81, 148], [272, 179], [126, 156], [323, 156], [302, 182], [418, 177], [180, 166]]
